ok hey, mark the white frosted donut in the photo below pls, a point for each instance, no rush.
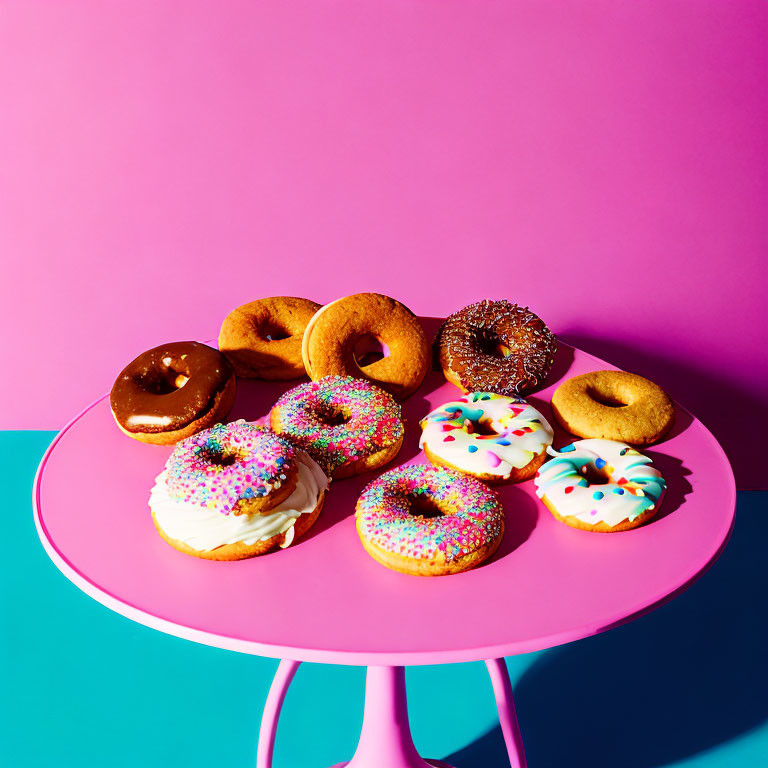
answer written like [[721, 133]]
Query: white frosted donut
[[489, 436], [600, 485]]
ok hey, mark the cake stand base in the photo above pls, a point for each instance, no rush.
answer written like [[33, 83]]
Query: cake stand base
[[432, 763], [385, 738]]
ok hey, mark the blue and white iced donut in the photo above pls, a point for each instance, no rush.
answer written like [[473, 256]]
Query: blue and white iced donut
[[600, 485], [492, 437]]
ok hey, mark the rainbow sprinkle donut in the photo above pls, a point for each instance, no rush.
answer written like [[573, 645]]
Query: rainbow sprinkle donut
[[236, 491], [347, 425], [238, 467], [429, 521], [600, 485], [491, 437]]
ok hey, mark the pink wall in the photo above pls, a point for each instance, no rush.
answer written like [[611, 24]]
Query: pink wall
[[604, 162]]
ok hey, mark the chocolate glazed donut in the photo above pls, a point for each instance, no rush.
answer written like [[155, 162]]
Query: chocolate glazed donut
[[173, 391], [495, 346]]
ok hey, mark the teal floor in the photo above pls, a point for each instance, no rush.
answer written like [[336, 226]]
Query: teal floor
[[81, 686]]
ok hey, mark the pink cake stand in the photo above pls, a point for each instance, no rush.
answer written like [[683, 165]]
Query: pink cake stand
[[325, 600]]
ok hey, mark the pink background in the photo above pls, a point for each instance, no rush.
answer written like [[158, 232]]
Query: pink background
[[605, 163]]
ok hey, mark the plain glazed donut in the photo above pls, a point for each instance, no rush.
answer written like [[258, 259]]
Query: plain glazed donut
[[491, 437], [262, 339], [495, 346], [600, 485], [429, 521], [614, 405], [347, 425], [328, 347], [172, 391], [236, 491]]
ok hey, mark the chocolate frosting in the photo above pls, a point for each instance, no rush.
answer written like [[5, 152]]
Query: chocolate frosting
[[496, 346], [168, 387]]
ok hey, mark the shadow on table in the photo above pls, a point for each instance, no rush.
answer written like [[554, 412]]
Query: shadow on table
[[706, 391], [683, 679], [678, 487]]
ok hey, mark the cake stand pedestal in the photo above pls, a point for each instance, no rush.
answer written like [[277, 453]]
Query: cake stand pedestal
[[385, 739], [323, 599]]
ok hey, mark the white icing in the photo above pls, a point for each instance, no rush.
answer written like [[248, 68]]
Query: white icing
[[451, 433], [205, 529], [308, 333], [641, 489]]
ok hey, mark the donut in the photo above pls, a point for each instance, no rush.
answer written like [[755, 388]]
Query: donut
[[172, 391], [429, 521], [600, 485], [346, 424], [262, 339], [492, 437], [332, 337], [495, 346], [236, 491], [614, 405]]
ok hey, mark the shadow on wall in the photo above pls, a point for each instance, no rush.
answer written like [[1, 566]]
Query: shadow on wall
[[705, 392], [683, 679]]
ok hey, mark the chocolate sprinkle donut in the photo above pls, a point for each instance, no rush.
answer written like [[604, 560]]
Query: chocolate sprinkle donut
[[495, 346]]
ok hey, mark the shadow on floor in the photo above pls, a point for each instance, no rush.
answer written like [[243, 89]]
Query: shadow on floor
[[683, 679]]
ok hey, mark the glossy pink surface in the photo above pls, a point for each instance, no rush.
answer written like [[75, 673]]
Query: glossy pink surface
[[600, 160], [325, 599]]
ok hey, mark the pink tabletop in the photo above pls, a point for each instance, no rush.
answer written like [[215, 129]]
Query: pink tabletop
[[324, 599]]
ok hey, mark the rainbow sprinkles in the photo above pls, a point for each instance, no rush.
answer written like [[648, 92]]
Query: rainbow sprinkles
[[486, 434], [338, 419], [600, 481], [228, 463], [472, 515]]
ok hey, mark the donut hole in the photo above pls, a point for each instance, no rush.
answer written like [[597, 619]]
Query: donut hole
[[606, 398], [483, 427], [223, 459], [220, 458], [271, 330], [490, 343], [595, 476], [424, 506], [333, 417], [369, 349], [164, 382]]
